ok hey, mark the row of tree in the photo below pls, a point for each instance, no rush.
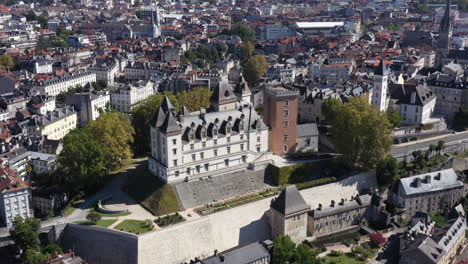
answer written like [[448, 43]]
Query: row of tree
[[91, 152], [205, 55], [142, 115]]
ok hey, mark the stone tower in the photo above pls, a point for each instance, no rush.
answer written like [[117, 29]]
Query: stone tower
[[380, 92], [288, 215]]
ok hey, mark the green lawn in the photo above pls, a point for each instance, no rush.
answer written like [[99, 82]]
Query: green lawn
[[155, 196], [100, 223], [347, 258], [134, 226]]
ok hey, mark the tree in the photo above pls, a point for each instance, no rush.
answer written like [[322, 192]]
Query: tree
[[286, 252], [440, 146], [432, 148], [460, 121], [195, 99], [247, 51], [142, 116], [83, 160], [388, 171], [393, 27], [114, 132], [25, 233], [255, 68], [93, 217], [394, 117], [6, 62], [32, 256], [377, 239], [359, 132], [244, 32], [52, 249]]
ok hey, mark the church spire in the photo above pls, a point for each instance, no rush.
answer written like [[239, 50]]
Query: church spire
[[446, 23]]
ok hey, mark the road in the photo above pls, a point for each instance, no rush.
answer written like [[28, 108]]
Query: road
[[425, 143]]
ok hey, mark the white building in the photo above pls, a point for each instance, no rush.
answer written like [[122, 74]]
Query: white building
[[128, 96], [200, 144], [282, 72], [106, 72], [275, 31], [58, 85], [55, 125], [89, 105], [42, 162], [339, 70], [15, 197], [42, 66], [416, 104]]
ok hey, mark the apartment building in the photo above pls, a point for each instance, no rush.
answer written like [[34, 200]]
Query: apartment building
[[58, 85], [89, 105], [129, 95], [55, 125], [106, 71]]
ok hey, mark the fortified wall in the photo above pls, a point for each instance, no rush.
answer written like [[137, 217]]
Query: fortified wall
[[200, 237]]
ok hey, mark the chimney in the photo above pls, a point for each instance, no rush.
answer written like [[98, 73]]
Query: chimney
[[413, 97], [221, 258], [332, 203], [417, 182], [342, 201], [202, 113], [215, 252], [428, 179], [320, 207]]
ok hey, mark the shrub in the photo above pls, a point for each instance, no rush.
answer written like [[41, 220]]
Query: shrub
[[93, 217], [292, 174], [313, 183], [377, 239], [335, 253]]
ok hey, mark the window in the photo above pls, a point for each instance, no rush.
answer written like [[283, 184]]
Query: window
[[174, 141], [308, 142], [215, 152], [228, 139], [241, 137], [285, 137], [202, 155], [188, 171], [258, 139], [215, 142], [228, 149], [285, 148], [285, 123], [193, 157], [417, 109], [242, 147], [226, 162], [286, 103], [285, 113], [176, 173], [258, 148], [203, 144], [174, 151], [207, 166], [192, 146], [244, 159], [175, 163], [197, 168]]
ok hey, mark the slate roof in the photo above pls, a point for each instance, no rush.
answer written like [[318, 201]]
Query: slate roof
[[241, 255], [403, 93], [170, 124], [223, 93], [289, 201], [422, 250], [448, 179], [360, 201]]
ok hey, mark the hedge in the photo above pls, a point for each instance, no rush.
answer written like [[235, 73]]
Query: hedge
[[314, 183], [294, 173]]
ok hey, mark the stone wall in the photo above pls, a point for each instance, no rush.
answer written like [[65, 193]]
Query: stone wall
[[99, 245]]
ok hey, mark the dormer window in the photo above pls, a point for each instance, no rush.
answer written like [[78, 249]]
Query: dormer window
[[258, 126], [215, 131], [228, 129], [191, 136], [203, 133], [241, 126]]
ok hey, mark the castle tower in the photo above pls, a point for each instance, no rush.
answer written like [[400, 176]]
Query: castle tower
[[288, 215], [242, 90], [445, 35], [380, 92]]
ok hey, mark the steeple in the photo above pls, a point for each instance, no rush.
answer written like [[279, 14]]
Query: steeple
[[381, 68], [446, 23], [380, 90], [242, 90]]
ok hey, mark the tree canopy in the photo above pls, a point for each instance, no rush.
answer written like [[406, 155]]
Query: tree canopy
[[286, 252], [143, 114], [243, 31], [205, 55], [394, 117], [255, 68], [89, 153], [359, 131], [388, 171], [6, 62], [25, 233]]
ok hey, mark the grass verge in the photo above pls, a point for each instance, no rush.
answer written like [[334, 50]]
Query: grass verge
[[135, 226], [155, 196]]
